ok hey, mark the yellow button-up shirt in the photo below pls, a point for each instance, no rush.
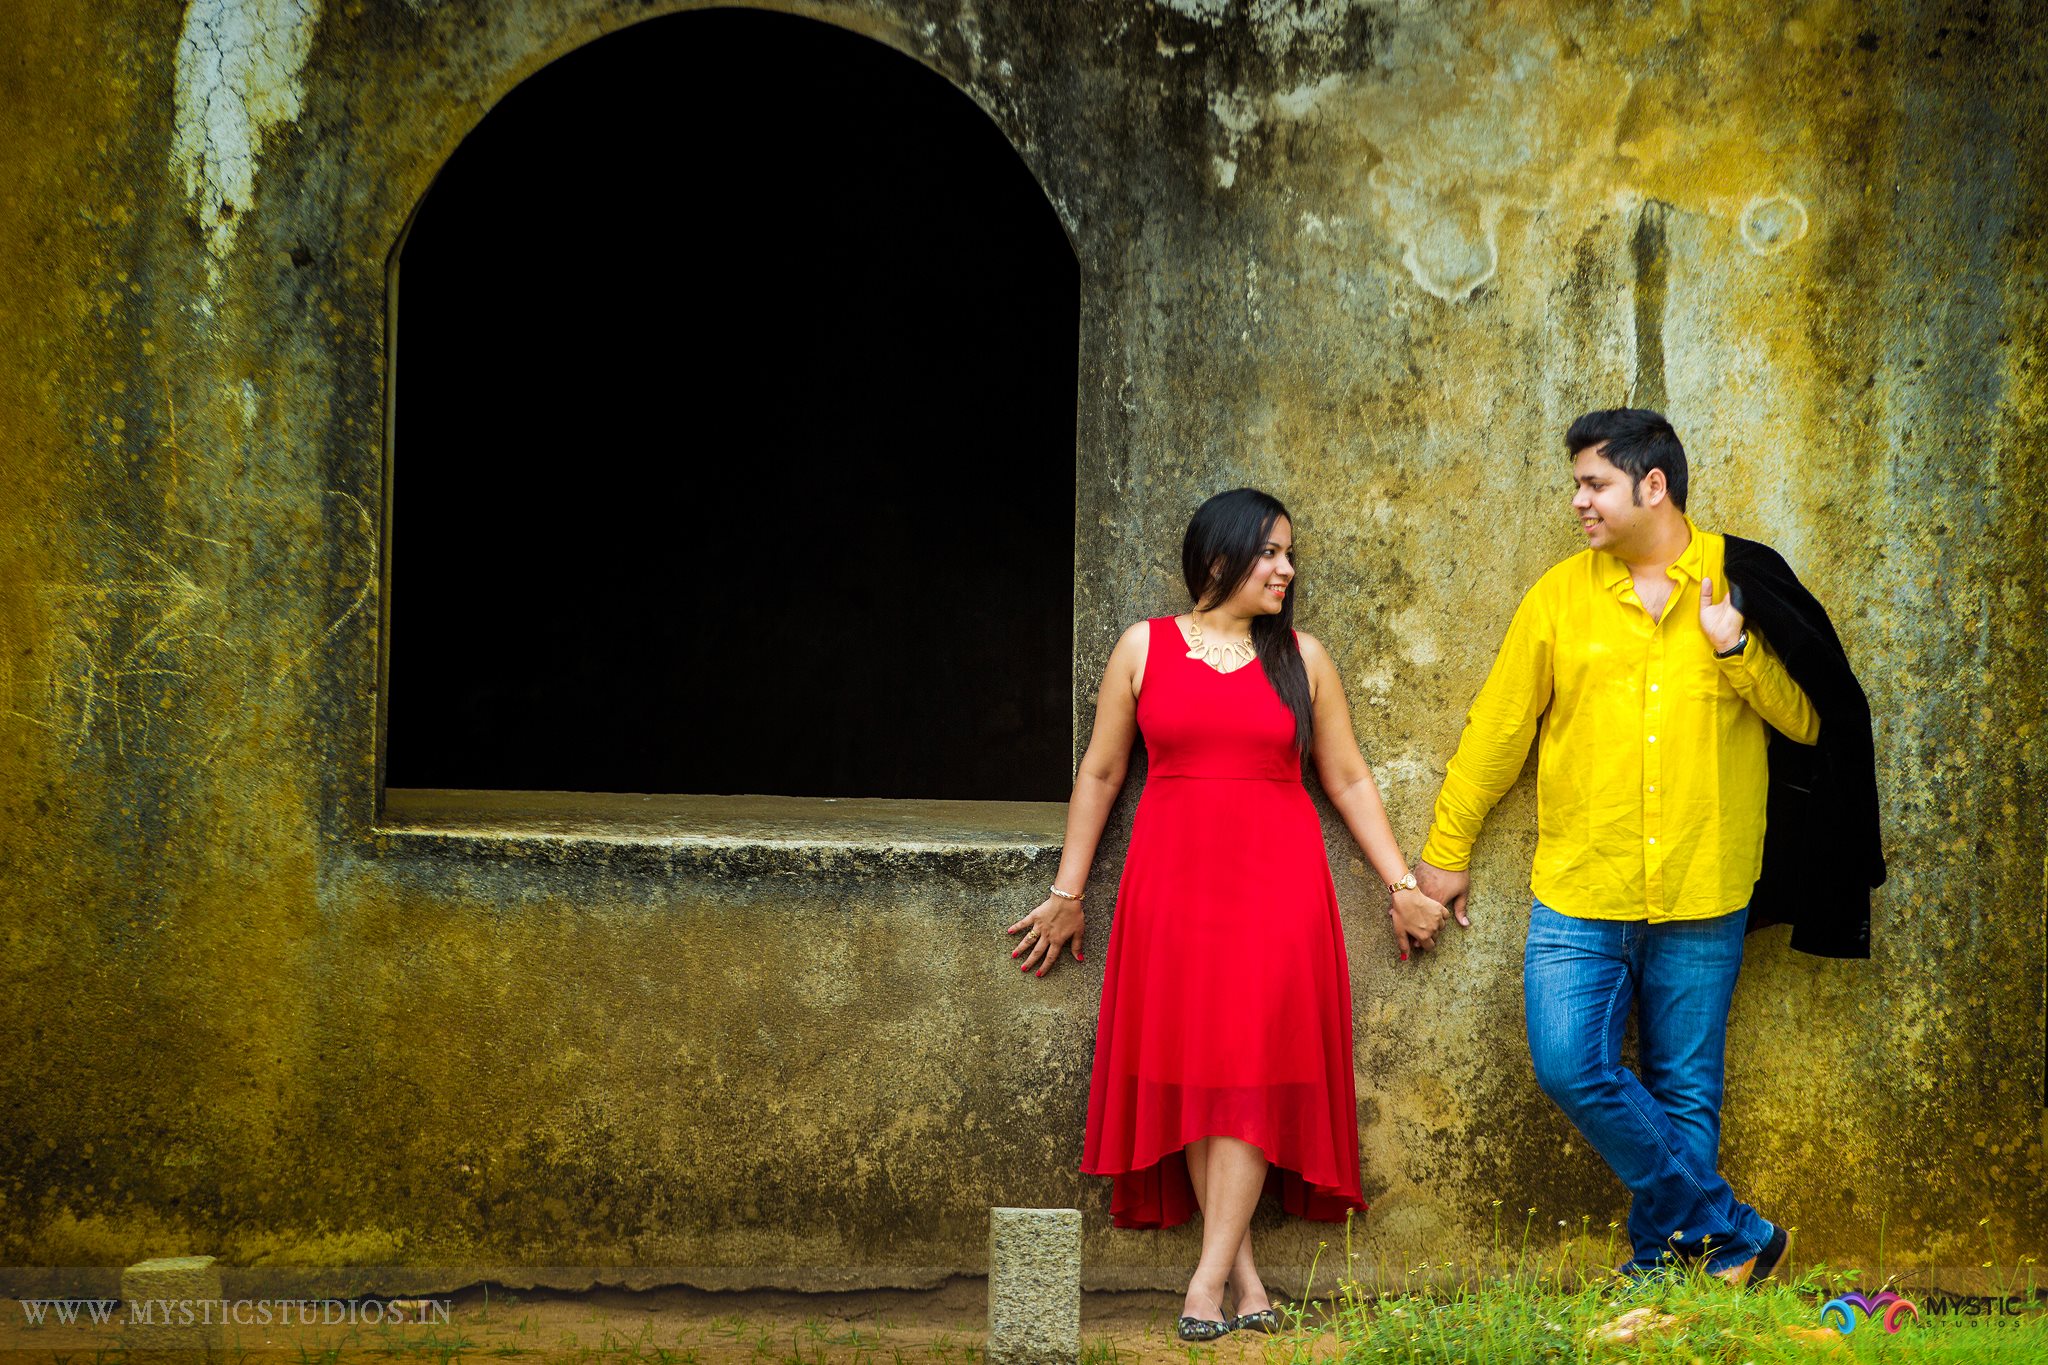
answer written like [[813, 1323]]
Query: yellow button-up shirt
[[1651, 775]]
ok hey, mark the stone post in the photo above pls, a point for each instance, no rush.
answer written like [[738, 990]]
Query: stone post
[[171, 1311], [1034, 1286]]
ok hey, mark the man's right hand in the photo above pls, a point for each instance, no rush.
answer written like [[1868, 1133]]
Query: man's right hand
[[1448, 889]]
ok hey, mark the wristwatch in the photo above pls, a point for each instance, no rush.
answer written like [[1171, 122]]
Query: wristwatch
[[1406, 883], [1741, 643]]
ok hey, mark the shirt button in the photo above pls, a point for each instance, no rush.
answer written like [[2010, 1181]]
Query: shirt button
[[1653, 687], [1653, 739], [1653, 838], [1653, 789]]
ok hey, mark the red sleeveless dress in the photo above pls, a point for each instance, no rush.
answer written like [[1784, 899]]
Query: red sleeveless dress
[[1226, 997]]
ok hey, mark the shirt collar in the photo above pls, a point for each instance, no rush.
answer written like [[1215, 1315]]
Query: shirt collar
[[1692, 564]]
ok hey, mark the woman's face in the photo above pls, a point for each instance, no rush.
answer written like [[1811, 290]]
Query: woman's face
[[1264, 590]]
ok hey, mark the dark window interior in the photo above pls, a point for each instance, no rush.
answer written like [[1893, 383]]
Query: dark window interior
[[734, 433]]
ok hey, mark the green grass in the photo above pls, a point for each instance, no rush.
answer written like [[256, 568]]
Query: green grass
[[1708, 1324], [1101, 1351], [1549, 1306]]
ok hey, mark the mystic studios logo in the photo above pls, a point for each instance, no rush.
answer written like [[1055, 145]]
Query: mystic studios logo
[[1888, 1308]]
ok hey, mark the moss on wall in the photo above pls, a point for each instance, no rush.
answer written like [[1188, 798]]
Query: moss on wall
[[1373, 256]]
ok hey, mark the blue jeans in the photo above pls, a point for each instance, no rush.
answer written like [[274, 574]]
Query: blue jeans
[[1661, 1133]]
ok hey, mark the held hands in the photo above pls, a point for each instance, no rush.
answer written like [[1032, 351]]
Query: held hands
[[1451, 888], [1054, 925], [1720, 620], [1417, 917]]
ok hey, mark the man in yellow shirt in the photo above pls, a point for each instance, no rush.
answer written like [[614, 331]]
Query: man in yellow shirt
[[1651, 697]]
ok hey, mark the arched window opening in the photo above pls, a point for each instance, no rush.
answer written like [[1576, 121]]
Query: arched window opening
[[733, 433]]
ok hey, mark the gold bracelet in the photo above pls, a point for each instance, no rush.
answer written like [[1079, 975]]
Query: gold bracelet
[[1067, 895]]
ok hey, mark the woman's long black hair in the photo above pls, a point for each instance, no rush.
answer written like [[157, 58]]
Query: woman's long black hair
[[1223, 542]]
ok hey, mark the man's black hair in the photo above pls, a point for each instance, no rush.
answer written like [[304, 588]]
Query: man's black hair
[[1638, 441]]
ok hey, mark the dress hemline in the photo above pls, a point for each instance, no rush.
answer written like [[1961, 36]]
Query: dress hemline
[[1299, 1196]]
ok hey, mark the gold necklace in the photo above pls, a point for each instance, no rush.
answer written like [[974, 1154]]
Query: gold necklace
[[1235, 653]]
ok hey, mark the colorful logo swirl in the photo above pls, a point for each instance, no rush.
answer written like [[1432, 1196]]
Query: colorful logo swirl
[[1886, 1307]]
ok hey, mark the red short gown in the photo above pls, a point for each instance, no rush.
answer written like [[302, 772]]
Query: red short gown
[[1226, 998]]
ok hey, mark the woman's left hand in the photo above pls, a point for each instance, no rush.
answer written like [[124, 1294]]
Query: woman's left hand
[[1056, 923]]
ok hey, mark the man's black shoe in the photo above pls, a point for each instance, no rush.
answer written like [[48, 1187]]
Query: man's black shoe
[[1767, 1260]]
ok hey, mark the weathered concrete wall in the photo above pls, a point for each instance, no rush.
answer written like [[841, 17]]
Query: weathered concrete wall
[[1373, 256]]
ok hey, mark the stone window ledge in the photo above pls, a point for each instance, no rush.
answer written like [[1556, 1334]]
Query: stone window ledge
[[726, 835]]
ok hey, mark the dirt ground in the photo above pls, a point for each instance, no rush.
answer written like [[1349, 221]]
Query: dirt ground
[[945, 1326]]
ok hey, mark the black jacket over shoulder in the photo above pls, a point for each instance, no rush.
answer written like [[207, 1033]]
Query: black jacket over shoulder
[[1822, 853]]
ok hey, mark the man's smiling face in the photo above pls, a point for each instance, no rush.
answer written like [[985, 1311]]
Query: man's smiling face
[[1613, 510]]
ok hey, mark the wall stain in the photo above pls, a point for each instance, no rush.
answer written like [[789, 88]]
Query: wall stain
[[1652, 263], [239, 77]]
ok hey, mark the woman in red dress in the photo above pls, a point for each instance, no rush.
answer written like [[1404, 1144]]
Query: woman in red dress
[[1223, 1052]]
